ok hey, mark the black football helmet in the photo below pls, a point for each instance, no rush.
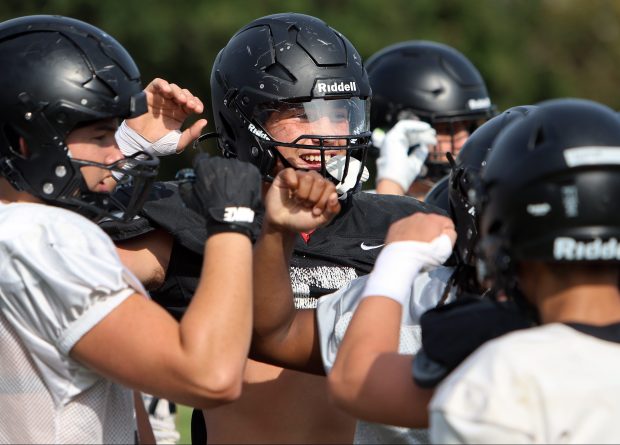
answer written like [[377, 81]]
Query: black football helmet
[[428, 81], [59, 73], [548, 188], [438, 194], [465, 174], [460, 193], [289, 63]]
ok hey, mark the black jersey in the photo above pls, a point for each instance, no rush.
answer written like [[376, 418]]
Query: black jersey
[[322, 261], [348, 247]]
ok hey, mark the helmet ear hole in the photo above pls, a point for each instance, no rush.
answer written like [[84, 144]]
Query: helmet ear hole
[[11, 139]]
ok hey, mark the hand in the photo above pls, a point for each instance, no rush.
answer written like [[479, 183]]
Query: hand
[[422, 227], [168, 107], [395, 162], [299, 201], [228, 193]]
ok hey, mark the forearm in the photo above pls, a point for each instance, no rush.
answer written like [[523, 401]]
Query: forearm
[[388, 187], [216, 329], [360, 348], [370, 379], [274, 308]]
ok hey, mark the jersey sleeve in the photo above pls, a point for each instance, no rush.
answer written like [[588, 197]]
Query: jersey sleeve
[[59, 279]]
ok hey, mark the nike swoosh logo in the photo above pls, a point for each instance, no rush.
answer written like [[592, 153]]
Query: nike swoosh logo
[[365, 247]]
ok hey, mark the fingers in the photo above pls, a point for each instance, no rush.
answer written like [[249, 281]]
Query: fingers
[[190, 134], [451, 232], [317, 193], [310, 190], [287, 178], [163, 92]]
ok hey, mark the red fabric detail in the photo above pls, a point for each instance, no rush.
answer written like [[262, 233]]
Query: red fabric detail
[[306, 235]]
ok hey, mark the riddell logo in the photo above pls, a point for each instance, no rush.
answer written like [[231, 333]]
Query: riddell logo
[[477, 104], [573, 250], [258, 132], [324, 87]]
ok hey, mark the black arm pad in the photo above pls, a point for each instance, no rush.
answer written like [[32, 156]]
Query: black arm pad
[[450, 333]]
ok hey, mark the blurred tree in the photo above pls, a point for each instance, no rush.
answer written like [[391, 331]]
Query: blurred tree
[[526, 50]]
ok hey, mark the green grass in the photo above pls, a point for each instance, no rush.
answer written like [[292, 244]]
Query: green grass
[[184, 417]]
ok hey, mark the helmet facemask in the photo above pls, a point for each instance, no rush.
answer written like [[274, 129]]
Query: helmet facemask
[[50, 173], [136, 172], [330, 136]]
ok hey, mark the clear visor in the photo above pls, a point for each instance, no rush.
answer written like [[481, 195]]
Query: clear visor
[[299, 123]]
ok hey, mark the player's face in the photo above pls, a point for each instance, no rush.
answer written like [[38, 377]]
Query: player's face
[[96, 143], [289, 125], [450, 139]]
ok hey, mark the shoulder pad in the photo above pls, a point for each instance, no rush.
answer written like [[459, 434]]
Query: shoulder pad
[[164, 209], [450, 333]]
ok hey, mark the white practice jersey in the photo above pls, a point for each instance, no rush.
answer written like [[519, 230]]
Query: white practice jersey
[[334, 313], [60, 275], [549, 384]]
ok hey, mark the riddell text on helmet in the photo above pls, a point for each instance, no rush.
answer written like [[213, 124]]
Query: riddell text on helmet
[[336, 87], [565, 248]]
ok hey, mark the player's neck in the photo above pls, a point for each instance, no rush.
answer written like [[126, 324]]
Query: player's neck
[[8, 194], [590, 303], [572, 292]]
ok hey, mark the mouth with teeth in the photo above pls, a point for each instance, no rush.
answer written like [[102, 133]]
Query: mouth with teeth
[[312, 161]]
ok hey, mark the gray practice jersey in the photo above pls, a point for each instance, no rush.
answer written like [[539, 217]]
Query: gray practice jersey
[[334, 312]]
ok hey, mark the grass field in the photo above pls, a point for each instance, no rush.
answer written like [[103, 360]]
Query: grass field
[[184, 417]]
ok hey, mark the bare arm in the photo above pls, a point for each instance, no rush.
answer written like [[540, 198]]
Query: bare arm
[[389, 187], [147, 256], [370, 379], [296, 201], [198, 362]]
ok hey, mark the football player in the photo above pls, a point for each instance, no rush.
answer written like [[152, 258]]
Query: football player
[[427, 99]]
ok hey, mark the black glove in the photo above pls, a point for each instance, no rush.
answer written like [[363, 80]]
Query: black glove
[[450, 333], [228, 193]]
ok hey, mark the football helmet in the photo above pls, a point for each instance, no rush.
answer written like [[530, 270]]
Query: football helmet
[[438, 194], [432, 82], [294, 65], [548, 188], [465, 173], [59, 73]]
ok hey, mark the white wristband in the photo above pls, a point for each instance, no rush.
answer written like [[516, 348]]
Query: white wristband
[[131, 142], [399, 264]]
